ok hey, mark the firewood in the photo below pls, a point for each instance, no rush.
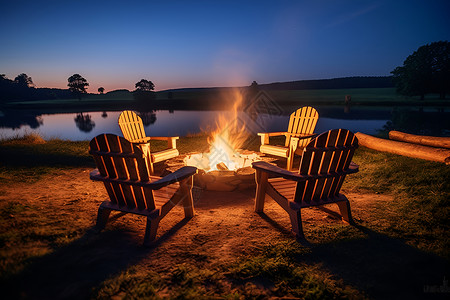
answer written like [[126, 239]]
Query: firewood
[[221, 166]]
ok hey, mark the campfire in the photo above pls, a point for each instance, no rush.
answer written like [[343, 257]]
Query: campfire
[[225, 141], [226, 166]]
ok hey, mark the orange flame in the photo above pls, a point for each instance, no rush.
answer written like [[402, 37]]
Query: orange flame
[[228, 137]]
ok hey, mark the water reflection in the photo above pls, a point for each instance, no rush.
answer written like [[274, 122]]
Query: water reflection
[[84, 122], [370, 120], [148, 117], [434, 122], [16, 119]]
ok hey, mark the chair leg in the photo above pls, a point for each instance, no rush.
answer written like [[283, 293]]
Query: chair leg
[[151, 169], [150, 231], [296, 223], [102, 217], [344, 208], [148, 159], [290, 162], [293, 145], [261, 181], [186, 197], [188, 205]]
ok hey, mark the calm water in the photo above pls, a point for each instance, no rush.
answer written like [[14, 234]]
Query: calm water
[[86, 125]]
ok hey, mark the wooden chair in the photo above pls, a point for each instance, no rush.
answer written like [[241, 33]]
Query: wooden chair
[[325, 162], [133, 130], [123, 169], [300, 131]]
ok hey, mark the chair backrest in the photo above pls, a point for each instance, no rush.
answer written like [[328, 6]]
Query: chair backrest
[[131, 126], [326, 159], [303, 120], [122, 166]]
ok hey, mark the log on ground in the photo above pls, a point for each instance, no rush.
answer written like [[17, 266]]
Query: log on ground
[[434, 141], [405, 149]]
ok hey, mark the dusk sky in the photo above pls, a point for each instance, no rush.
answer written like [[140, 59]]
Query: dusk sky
[[178, 44]]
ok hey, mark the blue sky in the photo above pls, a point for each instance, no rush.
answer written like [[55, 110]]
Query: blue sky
[[179, 44]]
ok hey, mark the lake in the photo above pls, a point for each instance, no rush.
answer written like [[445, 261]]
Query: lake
[[85, 125]]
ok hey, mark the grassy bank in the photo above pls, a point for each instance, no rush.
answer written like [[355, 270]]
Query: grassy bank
[[406, 235]]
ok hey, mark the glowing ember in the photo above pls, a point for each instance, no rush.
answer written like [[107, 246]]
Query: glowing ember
[[207, 161]]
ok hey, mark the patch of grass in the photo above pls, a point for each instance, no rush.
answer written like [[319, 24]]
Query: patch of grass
[[131, 284], [26, 159], [421, 191], [278, 269], [30, 139], [183, 281], [27, 232], [423, 185]]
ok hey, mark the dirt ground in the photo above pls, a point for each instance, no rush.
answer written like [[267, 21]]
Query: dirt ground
[[224, 228]]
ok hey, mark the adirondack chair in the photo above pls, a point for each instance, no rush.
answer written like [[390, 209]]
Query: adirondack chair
[[300, 131], [123, 169], [133, 130], [325, 162]]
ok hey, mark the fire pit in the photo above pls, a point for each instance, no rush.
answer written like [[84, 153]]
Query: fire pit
[[220, 178]]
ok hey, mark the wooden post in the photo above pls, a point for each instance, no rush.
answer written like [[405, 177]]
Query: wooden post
[[348, 99]]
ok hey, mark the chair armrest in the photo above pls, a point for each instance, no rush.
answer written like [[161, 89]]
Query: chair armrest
[[265, 136], [304, 135], [163, 138], [271, 133], [277, 171], [144, 140], [171, 140], [176, 176]]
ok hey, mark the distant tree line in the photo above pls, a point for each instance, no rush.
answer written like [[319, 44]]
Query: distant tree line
[[335, 83], [22, 88]]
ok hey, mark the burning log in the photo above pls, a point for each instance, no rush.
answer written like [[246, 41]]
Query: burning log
[[406, 149], [222, 167]]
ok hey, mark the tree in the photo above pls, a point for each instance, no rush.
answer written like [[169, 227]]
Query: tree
[[425, 71], [23, 80], [144, 86], [77, 84], [101, 90]]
